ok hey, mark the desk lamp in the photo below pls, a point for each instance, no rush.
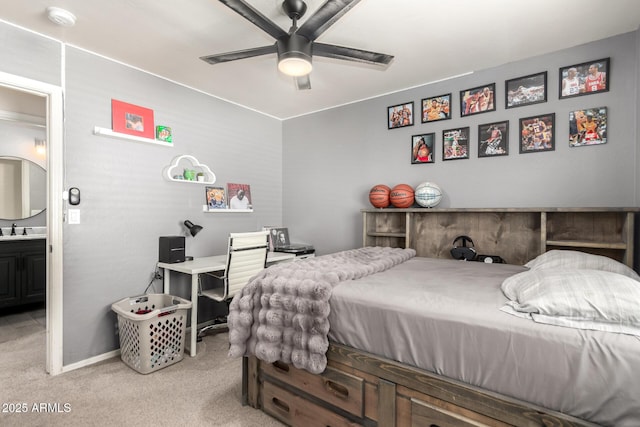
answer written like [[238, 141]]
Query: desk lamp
[[193, 228]]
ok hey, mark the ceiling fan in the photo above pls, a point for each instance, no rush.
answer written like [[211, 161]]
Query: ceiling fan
[[296, 47]]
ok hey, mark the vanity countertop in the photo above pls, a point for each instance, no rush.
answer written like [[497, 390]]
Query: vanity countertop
[[22, 237], [33, 233]]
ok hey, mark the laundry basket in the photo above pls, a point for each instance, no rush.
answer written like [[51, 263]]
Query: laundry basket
[[152, 330]]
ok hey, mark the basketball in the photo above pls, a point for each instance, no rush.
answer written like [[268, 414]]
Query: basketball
[[428, 194], [401, 196], [379, 196]]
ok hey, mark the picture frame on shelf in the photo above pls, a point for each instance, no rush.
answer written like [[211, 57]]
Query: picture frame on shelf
[[455, 144], [216, 198], [423, 148], [478, 100], [436, 108], [399, 116], [239, 196], [537, 133], [493, 139], [586, 78], [132, 119], [527, 90], [588, 127]]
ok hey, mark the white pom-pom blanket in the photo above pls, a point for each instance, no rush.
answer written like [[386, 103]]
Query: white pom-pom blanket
[[282, 313]]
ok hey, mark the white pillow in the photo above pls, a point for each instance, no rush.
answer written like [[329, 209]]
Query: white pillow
[[580, 260], [580, 298]]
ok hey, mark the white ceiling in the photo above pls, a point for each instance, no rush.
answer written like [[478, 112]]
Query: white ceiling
[[431, 40]]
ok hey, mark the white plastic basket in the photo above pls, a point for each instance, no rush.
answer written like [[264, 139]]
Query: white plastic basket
[[152, 330]]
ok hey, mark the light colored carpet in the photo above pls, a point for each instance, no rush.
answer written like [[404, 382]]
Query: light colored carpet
[[200, 391]]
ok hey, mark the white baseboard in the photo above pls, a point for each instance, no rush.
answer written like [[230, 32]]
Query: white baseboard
[[115, 353], [91, 361]]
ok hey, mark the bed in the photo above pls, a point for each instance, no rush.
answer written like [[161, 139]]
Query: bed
[[447, 347]]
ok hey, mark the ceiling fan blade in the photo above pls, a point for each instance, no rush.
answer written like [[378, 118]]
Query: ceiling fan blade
[[350, 54], [249, 13], [303, 82], [239, 54], [324, 17]]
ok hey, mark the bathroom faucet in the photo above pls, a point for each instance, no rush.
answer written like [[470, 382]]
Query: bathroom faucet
[[13, 229]]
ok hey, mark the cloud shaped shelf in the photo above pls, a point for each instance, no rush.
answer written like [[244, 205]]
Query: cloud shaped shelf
[[176, 169]]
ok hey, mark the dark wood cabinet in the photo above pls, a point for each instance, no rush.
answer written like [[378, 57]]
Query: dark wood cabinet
[[23, 272]]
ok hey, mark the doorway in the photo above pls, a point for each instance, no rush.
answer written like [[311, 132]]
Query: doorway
[[51, 96]]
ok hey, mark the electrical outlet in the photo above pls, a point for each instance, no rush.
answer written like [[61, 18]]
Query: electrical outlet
[[74, 216]]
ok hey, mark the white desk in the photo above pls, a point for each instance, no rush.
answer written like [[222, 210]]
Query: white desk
[[205, 265]]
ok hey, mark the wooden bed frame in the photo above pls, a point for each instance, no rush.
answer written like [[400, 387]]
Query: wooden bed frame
[[359, 388]]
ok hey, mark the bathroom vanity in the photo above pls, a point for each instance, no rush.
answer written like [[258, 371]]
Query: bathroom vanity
[[23, 270]]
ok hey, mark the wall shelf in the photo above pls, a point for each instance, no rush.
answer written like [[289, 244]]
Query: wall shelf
[[206, 209], [108, 132], [173, 169]]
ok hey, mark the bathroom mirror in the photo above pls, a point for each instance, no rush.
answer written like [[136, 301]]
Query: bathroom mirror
[[23, 191]]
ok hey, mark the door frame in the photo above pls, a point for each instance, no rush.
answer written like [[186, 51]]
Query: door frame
[[55, 215]]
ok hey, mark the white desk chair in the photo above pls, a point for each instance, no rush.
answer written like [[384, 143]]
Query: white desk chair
[[246, 257]]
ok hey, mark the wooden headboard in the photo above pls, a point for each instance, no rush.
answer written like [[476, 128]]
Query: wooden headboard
[[516, 234]]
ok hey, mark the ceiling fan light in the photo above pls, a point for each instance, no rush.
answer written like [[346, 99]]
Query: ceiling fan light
[[295, 66], [294, 55]]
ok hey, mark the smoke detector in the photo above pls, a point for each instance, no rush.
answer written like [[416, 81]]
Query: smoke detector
[[61, 17]]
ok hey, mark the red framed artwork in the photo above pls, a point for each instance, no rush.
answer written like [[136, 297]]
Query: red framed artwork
[[132, 119]]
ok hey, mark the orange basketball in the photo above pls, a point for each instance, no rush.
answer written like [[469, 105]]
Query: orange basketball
[[379, 196], [401, 196]]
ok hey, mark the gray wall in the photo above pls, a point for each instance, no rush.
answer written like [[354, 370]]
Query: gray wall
[[332, 158], [127, 204], [29, 55]]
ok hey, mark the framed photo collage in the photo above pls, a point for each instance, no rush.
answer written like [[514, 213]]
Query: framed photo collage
[[587, 126]]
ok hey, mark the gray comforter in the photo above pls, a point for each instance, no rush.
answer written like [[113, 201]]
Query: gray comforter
[[282, 313], [444, 316]]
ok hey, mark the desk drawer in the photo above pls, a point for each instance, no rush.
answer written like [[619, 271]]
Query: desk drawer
[[337, 388], [295, 411]]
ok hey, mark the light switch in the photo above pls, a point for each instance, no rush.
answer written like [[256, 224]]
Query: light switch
[[74, 216]]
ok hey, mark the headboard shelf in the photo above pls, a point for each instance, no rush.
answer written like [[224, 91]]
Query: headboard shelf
[[516, 234], [386, 234], [585, 244]]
